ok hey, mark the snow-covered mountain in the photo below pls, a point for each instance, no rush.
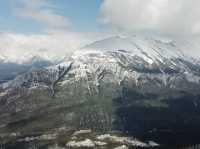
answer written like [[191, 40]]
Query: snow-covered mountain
[[116, 83], [30, 56], [138, 54], [122, 58], [155, 48], [119, 58], [12, 64]]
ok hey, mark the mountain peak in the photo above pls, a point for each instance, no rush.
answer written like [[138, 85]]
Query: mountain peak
[[110, 44], [154, 49]]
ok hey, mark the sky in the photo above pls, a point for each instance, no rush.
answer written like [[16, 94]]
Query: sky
[[81, 14], [65, 25]]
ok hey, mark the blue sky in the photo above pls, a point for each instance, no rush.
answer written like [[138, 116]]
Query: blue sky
[[82, 15], [10, 22]]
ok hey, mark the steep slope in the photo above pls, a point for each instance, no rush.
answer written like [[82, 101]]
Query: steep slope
[[135, 85]]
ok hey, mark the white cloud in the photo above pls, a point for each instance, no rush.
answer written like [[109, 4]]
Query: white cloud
[[42, 11], [164, 16], [18, 47]]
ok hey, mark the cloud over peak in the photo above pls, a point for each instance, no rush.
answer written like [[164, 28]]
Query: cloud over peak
[[163, 16]]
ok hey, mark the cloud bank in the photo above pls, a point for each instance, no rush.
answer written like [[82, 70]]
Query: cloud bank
[[15, 45], [164, 16], [18, 47]]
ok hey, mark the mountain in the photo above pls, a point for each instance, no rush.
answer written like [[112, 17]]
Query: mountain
[[14, 65], [144, 87], [27, 56]]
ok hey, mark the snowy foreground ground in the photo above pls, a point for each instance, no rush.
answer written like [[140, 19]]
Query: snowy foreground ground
[[64, 138]]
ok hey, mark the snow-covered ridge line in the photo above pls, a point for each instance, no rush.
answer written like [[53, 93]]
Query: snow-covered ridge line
[[148, 48], [155, 47]]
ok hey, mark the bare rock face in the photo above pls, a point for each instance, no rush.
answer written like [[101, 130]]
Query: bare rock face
[[150, 88]]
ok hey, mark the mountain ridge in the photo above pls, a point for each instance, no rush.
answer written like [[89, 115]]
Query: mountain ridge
[[113, 43]]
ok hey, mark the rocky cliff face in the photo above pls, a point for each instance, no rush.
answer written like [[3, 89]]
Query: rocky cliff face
[[148, 87]]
